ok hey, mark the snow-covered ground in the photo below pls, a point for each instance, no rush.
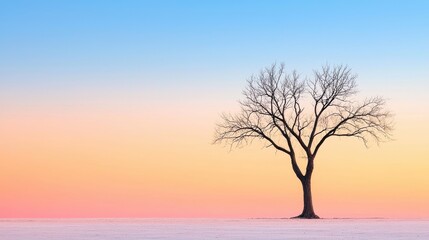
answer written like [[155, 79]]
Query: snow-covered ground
[[203, 229]]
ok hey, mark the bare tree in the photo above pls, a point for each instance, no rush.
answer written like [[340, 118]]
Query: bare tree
[[292, 115]]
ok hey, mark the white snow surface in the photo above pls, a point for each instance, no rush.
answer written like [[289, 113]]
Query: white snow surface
[[206, 229]]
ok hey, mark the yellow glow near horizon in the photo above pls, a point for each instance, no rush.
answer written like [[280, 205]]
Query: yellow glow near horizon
[[118, 162]]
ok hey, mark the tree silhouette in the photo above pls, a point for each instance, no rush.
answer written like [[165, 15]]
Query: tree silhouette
[[293, 114]]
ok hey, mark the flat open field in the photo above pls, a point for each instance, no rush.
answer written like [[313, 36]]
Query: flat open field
[[202, 229]]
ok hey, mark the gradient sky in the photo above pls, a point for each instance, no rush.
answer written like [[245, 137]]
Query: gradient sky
[[107, 108]]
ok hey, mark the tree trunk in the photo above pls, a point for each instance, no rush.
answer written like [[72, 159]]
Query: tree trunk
[[308, 211]]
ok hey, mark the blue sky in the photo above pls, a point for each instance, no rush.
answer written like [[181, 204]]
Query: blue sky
[[206, 44], [121, 98]]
